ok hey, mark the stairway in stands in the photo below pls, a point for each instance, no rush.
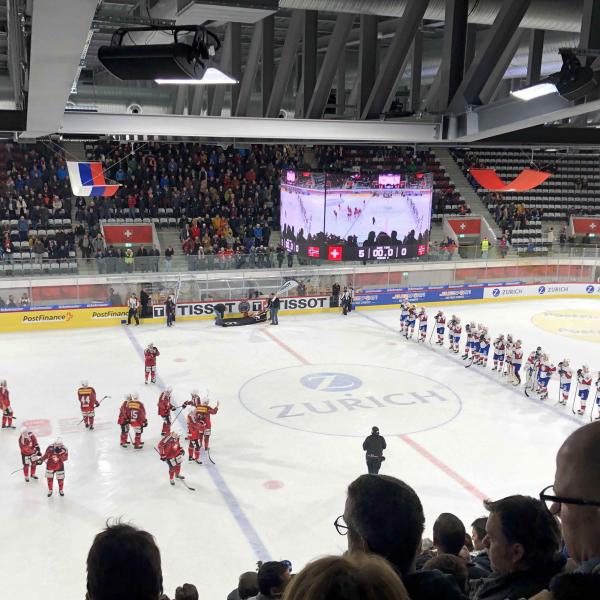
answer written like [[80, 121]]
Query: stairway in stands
[[454, 172]]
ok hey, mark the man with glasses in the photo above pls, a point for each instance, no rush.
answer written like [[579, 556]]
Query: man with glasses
[[384, 516], [575, 500]]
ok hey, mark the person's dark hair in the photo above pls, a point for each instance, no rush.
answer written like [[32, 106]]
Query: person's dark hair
[[469, 542], [479, 526], [270, 576], [449, 533], [525, 520], [124, 564], [248, 585], [451, 565], [187, 591], [388, 515]]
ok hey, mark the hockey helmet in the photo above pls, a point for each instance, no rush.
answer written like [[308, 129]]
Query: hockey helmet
[[457, 320], [168, 390], [501, 336], [565, 362], [509, 337], [194, 392], [135, 396], [84, 383], [150, 345], [57, 442], [518, 343], [585, 369], [24, 432], [3, 383]]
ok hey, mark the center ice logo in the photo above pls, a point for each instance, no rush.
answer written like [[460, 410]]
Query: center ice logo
[[331, 382], [327, 399]]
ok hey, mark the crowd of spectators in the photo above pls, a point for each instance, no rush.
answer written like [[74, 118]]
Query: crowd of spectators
[[545, 548]]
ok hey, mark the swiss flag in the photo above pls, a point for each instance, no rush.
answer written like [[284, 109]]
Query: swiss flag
[[583, 225], [466, 226], [314, 252], [334, 253], [128, 234]]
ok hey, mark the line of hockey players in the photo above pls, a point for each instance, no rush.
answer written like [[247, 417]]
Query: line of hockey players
[[132, 418], [507, 355]]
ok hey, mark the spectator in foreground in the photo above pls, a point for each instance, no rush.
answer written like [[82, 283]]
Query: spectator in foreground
[[355, 576], [384, 516], [449, 538], [523, 540], [124, 564], [273, 578], [577, 478], [247, 586]]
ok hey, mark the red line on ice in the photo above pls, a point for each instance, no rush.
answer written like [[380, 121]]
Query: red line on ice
[[434, 460], [473, 490]]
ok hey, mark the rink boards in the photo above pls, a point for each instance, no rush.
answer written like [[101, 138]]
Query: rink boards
[[48, 318]]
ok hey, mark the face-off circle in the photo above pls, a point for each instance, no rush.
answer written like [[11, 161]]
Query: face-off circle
[[575, 323], [347, 400]]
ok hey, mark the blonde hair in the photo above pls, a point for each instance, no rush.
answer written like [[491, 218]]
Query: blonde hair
[[355, 576]]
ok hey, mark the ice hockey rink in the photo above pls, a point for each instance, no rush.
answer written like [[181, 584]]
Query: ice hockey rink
[[296, 403]]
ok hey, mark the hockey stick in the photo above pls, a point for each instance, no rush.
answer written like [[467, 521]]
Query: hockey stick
[[470, 363], [99, 404], [575, 399], [592, 412], [209, 457]]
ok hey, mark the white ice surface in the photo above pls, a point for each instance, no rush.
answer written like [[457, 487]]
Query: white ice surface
[[497, 442]]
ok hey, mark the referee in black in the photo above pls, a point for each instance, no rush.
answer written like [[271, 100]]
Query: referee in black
[[374, 445]]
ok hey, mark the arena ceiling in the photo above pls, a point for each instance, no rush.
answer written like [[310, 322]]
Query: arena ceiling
[[386, 71]]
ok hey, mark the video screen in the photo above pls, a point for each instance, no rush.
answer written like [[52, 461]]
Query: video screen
[[336, 216]]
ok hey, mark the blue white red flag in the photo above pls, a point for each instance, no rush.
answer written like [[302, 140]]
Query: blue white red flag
[[87, 179]]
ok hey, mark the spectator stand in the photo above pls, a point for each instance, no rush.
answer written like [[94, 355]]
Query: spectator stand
[[573, 189]]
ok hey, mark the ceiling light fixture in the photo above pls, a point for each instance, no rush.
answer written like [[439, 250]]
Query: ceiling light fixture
[[535, 91], [212, 76], [172, 64]]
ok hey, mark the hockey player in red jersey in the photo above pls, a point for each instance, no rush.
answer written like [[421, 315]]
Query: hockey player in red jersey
[[7, 412], [196, 426], [205, 411], [87, 399], [136, 413], [55, 457], [150, 354], [123, 421], [194, 401], [30, 453], [171, 452], [584, 382], [165, 407]]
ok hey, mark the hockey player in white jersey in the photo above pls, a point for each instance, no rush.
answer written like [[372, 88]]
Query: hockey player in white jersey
[[598, 396], [584, 382], [499, 350], [451, 325], [456, 333], [422, 325], [508, 356], [545, 373], [469, 328], [566, 377], [404, 308], [411, 320], [440, 327], [516, 360]]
